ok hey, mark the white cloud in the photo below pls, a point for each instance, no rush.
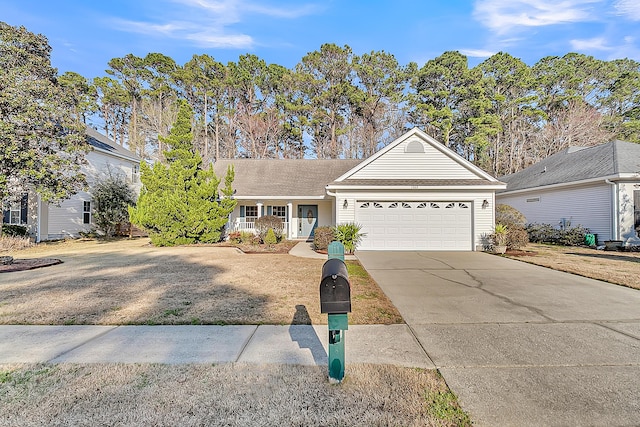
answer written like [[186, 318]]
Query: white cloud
[[207, 22], [596, 43], [477, 53], [502, 16], [629, 9]]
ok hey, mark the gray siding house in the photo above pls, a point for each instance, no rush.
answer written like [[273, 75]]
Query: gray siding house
[[597, 187]]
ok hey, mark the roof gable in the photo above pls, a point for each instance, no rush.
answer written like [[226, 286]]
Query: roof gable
[[103, 144], [578, 164], [415, 156]]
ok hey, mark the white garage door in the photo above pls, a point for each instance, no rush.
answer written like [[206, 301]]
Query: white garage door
[[424, 225]]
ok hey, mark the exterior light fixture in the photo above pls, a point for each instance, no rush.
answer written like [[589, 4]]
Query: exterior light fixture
[[345, 204], [485, 204]]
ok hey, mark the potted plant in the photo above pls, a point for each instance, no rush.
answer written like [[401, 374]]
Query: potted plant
[[499, 238]]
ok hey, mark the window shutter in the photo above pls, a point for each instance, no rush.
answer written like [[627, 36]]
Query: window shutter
[[242, 215], [5, 215], [269, 210], [24, 205], [262, 213]]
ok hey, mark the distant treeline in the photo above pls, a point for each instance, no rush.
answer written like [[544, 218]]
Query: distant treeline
[[502, 114]]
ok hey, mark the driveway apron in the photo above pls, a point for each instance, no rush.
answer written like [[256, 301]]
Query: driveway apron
[[520, 344]]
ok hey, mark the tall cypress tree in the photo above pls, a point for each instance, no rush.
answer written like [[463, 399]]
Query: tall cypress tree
[[179, 202]]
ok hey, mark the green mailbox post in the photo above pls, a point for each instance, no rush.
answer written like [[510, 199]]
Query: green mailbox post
[[335, 300]]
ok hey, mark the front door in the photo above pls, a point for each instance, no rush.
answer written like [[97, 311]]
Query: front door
[[307, 221]]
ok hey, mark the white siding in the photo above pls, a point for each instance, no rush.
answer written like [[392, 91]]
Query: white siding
[[482, 220], [66, 220], [98, 165], [398, 164], [589, 206]]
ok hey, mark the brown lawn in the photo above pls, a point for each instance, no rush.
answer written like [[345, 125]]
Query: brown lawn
[[132, 282], [224, 395], [622, 268]]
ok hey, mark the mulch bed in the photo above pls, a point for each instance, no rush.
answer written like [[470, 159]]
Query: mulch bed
[[28, 264], [514, 252]]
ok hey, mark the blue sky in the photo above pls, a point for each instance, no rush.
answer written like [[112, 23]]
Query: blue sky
[[85, 35]]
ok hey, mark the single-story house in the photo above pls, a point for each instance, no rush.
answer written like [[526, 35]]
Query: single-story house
[[46, 221], [415, 194], [597, 187]]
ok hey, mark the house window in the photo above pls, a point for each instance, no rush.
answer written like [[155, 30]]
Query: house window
[[251, 213], [14, 214], [280, 212], [463, 205], [435, 205], [422, 205], [636, 209], [393, 205], [86, 213], [135, 173], [450, 205], [406, 205]]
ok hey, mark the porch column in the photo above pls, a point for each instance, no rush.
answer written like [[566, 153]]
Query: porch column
[[259, 205], [290, 220]]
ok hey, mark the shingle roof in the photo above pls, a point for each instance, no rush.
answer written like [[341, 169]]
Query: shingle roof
[[283, 178], [577, 164], [98, 140]]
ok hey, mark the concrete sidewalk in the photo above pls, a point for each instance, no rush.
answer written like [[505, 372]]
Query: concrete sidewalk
[[264, 344]]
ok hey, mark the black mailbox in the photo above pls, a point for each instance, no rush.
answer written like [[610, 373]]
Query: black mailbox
[[335, 291]]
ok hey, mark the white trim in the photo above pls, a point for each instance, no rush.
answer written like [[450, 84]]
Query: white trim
[[414, 187], [302, 198]]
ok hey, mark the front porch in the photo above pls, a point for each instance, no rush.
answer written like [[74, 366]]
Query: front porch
[[299, 218]]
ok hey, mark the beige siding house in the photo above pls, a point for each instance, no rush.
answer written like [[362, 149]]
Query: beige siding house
[[596, 187], [415, 194]]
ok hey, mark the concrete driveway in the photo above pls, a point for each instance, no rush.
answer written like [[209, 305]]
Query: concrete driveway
[[520, 344]]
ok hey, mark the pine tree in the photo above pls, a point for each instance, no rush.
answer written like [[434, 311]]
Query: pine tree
[[179, 202]]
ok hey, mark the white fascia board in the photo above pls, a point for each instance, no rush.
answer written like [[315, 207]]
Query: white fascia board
[[279, 197], [417, 187], [616, 177]]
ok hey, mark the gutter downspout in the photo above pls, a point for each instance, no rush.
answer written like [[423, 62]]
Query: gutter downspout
[[335, 205], [616, 211], [39, 224]]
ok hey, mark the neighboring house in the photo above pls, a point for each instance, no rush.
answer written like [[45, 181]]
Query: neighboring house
[[596, 187], [47, 221], [415, 194]]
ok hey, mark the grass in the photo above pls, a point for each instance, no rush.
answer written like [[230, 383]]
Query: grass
[[130, 282], [229, 395], [621, 268]]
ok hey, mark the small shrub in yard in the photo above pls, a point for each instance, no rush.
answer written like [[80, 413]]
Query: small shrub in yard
[[517, 238], [248, 237], [14, 230], [349, 235], [269, 222], [515, 222], [546, 233], [270, 238], [322, 237], [235, 237]]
